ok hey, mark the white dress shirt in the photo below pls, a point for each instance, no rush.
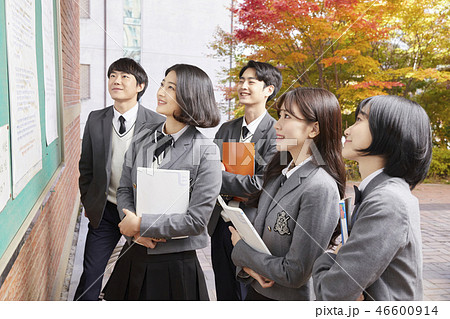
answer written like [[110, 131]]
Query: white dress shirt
[[130, 118], [251, 127], [288, 172], [367, 180]]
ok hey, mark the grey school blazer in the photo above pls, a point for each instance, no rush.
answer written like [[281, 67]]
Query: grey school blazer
[[383, 254], [244, 185], [95, 161], [296, 222], [194, 152]]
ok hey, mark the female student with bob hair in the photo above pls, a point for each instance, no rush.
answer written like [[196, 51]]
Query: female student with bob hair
[[382, 259], [298, 206], [156, 266]]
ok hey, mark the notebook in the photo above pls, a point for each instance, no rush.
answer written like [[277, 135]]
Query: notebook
[[344, 209], [239, 158], [162, 191], [244, 227]]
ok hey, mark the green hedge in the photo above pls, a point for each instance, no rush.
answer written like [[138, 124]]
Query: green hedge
[[439, 168], [440, 164], [351, 170]]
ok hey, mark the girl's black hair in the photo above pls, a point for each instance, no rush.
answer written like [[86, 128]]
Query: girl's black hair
[[401, 134], [195, 96], [316, 105], [130, 66], [322, 106]]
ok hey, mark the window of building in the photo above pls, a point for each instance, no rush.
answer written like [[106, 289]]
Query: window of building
[[84, 9], [85, 81], [132, 29]]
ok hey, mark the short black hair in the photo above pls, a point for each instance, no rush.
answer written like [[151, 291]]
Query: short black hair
[[401, 134], [130, 66], [195, 96], [267, 73]]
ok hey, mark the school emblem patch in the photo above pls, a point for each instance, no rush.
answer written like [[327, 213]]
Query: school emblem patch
[[281, 225]]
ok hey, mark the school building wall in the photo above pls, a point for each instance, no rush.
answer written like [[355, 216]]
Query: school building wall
[[37, 267]]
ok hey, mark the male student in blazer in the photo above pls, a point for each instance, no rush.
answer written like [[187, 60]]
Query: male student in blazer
[[258, 83], [107, 135]]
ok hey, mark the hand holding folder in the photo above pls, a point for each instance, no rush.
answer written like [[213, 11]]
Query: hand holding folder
[[239, 158], [244, 227]]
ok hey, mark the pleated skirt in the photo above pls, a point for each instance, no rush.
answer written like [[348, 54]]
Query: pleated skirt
[[139, 276]]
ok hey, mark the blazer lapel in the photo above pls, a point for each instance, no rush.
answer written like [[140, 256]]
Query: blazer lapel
[[107, 130], [263, 126], [294, 181], [377, 180], [145, 145], [182, 145], [141, 120], [236, 132], [144, 123], [266, 199]]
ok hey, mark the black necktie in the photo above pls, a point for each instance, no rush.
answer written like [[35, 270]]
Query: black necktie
[[358, 195], [162, 143], [283, 179], [358, 198], [245, 132], [122, 125]]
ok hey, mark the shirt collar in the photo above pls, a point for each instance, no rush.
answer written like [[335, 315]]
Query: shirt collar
[[254, 124], [367, 180], [130, 117], [288, 172], [176, 135]]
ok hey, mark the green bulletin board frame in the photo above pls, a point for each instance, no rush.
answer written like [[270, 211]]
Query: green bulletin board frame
[[18, 209]]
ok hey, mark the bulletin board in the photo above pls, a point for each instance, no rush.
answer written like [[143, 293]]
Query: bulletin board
[[24, 193]]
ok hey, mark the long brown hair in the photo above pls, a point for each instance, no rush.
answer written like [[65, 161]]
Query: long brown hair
[[316, 105]]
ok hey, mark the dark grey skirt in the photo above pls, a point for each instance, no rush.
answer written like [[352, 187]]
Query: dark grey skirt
[[139, 276]]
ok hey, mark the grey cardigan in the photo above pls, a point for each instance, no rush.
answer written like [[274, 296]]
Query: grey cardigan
[[296, 222], [383, 254], [193, 152]]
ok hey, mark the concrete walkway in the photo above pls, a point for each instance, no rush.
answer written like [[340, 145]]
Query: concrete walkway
[[435, 220], [204, 256]]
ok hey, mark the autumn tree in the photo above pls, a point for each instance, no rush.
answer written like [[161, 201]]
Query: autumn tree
[[353, 48], [315, 43], [417, 54]]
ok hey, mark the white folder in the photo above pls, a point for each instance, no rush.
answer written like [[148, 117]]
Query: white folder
[[162, 191], [244, 227]]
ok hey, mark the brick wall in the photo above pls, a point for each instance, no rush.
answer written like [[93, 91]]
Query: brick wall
[[70, 38], [33, 275]]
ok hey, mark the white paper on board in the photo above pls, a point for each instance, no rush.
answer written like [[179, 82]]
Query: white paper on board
[[5, 168], [25, 125], [48, 39]]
